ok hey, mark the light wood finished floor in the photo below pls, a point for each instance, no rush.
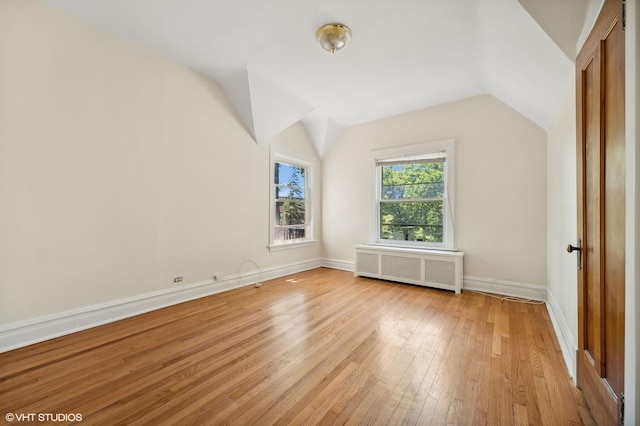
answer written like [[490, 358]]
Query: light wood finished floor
[[319, 347]]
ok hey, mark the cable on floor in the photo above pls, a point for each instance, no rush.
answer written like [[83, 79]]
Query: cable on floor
[[259, 282], [510, 298]]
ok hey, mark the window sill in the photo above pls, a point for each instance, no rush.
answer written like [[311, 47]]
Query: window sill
[[406, 250], [413, 246], [292, 245]]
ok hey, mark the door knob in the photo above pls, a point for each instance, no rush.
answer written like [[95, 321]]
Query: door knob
[[578, 248], [571, 248]]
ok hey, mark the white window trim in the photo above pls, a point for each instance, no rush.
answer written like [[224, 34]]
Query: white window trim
[[277, 154], [447, 145]]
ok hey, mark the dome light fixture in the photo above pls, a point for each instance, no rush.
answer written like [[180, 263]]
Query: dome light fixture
[[333, 37]]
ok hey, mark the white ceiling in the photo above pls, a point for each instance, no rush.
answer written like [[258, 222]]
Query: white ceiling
[[404, 55]]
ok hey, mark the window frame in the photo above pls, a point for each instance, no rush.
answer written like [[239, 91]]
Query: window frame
[[293, 159], [415, 152]]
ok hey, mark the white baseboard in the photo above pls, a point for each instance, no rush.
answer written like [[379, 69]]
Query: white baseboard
[[565, 337], [505, 288], [489, 285], [24, 333], [344, 265]]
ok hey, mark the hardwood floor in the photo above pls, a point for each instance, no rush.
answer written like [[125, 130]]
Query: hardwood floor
[[319, 347]]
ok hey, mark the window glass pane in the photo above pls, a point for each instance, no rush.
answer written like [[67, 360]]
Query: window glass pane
[[290, 212], [291, 193], [412, 221], [290, 206], [418, 180], [287, 174]]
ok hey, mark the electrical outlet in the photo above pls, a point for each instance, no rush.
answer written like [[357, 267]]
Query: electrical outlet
[[177, 280]]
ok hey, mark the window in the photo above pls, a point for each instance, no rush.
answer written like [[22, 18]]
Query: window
[[413, 195], [290, 201]]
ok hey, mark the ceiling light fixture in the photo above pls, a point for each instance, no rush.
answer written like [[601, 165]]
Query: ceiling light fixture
[[333, 37]]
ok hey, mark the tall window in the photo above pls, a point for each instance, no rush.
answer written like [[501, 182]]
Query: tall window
[[413, 202], [290, 201]]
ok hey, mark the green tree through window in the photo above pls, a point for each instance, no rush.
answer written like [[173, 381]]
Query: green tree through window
[[412, 200], [291, 201]]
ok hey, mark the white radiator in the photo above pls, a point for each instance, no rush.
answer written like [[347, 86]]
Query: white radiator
[[432, 268]]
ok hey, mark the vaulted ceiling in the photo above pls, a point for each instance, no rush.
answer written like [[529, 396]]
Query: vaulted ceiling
[[404, 55]]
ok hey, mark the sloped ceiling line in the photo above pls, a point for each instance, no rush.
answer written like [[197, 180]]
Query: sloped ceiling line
[[267, 109], [403, 56]]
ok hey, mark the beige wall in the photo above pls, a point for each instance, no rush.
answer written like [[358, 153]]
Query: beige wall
[[562, 223], [500, 195], [119, 170]]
